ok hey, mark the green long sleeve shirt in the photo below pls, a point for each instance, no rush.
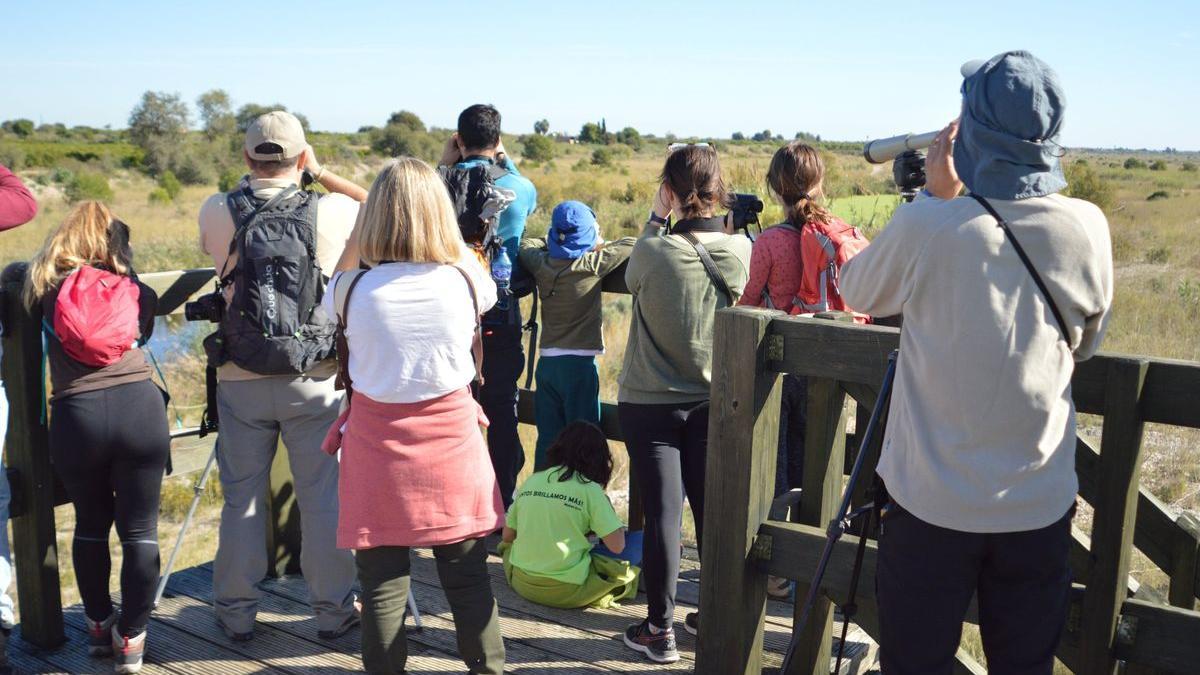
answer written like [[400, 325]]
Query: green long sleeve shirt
[[668, 357], [570, 294]]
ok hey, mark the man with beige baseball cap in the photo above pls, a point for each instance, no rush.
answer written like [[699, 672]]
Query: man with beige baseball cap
[[257, 409]]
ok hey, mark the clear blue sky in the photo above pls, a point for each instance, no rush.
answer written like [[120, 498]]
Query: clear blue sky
[[845, 70]]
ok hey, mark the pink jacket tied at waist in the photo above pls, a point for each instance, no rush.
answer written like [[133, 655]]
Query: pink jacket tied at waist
[[414, 474]]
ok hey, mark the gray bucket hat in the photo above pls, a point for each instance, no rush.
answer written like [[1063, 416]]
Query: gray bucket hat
[[1012, 114]]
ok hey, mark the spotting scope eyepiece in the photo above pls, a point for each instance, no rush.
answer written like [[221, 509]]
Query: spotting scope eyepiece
[[886, 149]]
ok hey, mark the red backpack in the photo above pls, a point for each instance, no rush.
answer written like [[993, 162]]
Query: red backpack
[[824, 248], [96, 316]]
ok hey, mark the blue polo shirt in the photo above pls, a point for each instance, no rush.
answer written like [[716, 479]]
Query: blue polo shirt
[[512, 221]]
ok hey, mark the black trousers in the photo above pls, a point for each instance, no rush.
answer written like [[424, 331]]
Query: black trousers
[[793, 423], [927, 575], [667, 444], [110, 447], [503, 361]]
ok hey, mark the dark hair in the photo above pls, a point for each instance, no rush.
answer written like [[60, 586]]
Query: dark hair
[[118, 243], [479, 127], [694, 174], [795, 177], [581, 448]]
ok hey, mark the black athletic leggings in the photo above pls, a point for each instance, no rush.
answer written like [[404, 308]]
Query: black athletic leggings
[[110, 447], [667, 444]]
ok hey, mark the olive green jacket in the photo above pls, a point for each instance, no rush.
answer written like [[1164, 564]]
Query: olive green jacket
[[569, 291]]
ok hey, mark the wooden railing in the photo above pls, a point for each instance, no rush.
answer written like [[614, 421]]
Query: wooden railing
[[752, 348], [36, 489]]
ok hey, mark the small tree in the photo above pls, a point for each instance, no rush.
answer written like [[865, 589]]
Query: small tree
[[764, 135], [158, 115], [630, 136], [738, 136], [1158, 165], [539, 148], [541, 127], [170, 185], [21, 127], [406, 119], [251, 111], [1134, 163], [591, 133], [395, 140], [216, 112]]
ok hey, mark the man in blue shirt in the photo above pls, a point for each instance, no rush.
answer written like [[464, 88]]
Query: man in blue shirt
[[478, 142]]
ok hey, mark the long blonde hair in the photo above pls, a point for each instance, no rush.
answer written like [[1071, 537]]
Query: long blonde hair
[[83, 238], [409, 218]]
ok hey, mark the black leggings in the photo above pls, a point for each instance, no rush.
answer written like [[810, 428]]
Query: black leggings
[[667, 444], [110, 447]]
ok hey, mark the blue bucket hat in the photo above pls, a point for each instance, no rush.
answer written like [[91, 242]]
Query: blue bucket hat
[[572, 230], [1007, 146]]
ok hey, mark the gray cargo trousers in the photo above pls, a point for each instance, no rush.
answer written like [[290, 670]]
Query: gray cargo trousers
[[254, 415]]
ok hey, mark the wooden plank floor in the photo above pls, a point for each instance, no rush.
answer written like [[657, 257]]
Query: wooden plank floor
[[184, 638]]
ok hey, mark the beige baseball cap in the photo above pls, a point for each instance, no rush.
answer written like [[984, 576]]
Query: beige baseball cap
[[280, 128]]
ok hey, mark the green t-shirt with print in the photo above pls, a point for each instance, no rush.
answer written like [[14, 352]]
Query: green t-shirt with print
[[552, 519]]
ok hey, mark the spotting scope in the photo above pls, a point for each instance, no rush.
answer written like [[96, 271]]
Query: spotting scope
[[886, 149]]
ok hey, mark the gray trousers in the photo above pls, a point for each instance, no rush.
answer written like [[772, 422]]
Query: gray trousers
[[462, 570], [254, 414]]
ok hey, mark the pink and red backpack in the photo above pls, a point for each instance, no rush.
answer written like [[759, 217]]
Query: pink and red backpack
[[96, 316]]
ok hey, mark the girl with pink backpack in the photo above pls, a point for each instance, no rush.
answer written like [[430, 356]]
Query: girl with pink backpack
[[109, 439]]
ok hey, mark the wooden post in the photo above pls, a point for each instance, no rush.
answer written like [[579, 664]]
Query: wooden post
[[824, 462], [1116, 514], [743, 437], [35, 552], [283, 531], [1184, 557]]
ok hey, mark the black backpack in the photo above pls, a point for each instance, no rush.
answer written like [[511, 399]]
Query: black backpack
[[274, 325], [478, 202]]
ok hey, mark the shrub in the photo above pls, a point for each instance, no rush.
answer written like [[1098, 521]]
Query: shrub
[[62, 176], [88, 185], [602, 157], [169, 184], [1158, 255], [229, 180], [1134, 163], [191, 168], [1084, 183], [159, 196], [1157, 195], [395, 140], [1158, 165], [539, 148], [409, 120], [12, 157], [1188, 166], [630, 136]]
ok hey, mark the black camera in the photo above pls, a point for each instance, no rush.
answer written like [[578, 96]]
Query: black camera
[[209, 307], [744, 210], [908, 171]]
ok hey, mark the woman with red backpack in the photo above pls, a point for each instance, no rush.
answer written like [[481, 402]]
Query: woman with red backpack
[[109, 438], [792, 270]]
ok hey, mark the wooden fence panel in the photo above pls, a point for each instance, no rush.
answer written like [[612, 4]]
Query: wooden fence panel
[[740, 476]]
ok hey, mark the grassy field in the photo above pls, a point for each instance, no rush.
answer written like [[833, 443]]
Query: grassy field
[[1153, 218]]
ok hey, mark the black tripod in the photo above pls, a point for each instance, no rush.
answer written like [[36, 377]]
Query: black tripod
[[842, 522]]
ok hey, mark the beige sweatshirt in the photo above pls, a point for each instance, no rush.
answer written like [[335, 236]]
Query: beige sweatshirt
[[981, 436]]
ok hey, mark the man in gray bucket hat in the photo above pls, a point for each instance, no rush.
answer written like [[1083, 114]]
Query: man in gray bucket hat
[[1002, 291]]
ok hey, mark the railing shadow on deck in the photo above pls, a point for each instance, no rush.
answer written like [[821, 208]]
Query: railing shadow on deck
[[36, 489], [752, 348]]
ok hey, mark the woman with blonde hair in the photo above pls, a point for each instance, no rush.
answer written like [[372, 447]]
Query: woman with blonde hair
[[108, 426], [415, 470]]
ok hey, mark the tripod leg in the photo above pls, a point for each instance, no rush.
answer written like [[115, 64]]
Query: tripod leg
[[412, 609], [198, 490]]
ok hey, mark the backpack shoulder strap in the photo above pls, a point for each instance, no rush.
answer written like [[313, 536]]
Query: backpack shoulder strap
[[710, 266], [1037, 278], [477, 341], [496, 172], [242, 209], [341, 305]]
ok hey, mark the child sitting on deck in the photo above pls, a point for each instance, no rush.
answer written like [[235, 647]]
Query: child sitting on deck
[[547, 555], [568, 266]]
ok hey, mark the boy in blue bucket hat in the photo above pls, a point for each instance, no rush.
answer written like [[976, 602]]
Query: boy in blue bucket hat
[[1002, 291], [568, 266]]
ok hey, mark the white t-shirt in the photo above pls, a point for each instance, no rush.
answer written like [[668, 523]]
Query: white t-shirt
[[981, 435], [410, 328]]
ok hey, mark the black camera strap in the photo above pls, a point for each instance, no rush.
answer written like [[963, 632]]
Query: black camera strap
[[1037, 278], [710, 266]]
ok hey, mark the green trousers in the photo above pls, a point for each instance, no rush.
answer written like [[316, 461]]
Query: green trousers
[[568, 389], [609, 581], [462, 569]]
